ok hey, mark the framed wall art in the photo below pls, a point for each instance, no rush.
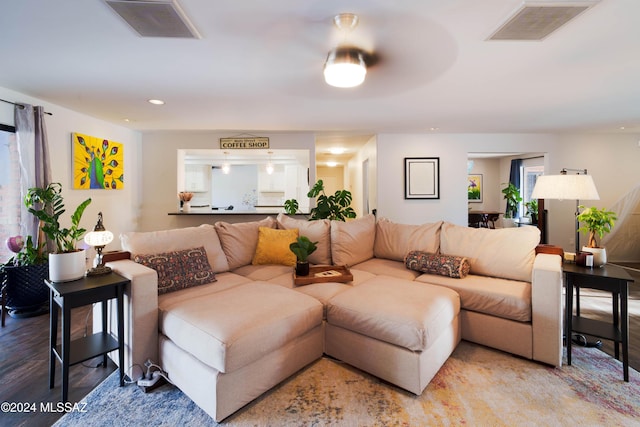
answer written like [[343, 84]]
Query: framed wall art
[[97, 163], [422, 177], [474, 188]]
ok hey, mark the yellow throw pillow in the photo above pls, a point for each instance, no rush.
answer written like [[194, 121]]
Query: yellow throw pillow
[[273, 246]]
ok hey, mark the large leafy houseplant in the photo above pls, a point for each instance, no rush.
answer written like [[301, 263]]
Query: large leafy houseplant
[[336, 206], [47, 204], [513, 198], [66, 262]]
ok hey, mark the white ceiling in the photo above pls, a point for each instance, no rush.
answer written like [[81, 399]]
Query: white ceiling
[[258, 67]]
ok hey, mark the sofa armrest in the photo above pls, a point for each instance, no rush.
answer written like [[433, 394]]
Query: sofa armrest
[[140, 315], [546, 309]]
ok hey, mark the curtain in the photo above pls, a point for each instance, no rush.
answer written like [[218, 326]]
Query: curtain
[[514, 178], [33, 152]]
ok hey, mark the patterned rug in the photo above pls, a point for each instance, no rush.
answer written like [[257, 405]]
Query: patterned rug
[[477, 386]]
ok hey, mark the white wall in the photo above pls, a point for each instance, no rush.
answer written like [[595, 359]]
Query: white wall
[[354, 177], [158, 169], [117, 206], [612, 159]]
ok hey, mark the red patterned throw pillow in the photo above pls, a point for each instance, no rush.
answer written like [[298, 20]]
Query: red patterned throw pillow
[[179, 269], [445, 265]]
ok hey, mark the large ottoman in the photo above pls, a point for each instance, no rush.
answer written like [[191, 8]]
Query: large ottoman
[[396, 329], [225, 350]]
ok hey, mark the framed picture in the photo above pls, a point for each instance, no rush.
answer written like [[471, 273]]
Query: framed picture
[[422, 177], [98, 163], [474, 188]]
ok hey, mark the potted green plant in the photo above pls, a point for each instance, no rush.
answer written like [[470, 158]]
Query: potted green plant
[[532, 210], [302, 248], [22, 278], [597, 222], [512, 196], [47, 204], [334, 207]]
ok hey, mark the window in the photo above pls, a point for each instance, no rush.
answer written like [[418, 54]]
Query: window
[[10, 199], [529, 172]]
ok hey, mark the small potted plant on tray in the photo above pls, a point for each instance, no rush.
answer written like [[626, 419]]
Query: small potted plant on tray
[[302, 248], [67, 262], [597, 222]]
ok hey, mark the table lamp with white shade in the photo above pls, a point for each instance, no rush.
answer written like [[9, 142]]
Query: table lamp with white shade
[[578, 186], [99, 238]]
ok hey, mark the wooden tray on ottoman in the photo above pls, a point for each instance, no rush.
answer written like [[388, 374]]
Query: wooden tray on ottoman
[[316, 276]]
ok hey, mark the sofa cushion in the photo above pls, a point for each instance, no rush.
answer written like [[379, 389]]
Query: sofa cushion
[[178, 239], [393, 241], [239, 240], [444, 265], [401, 312], [317, 231], [352, 241], [273, 246], [240, 325], [179, 269], [385, 267], [509, 299], [507, 252]]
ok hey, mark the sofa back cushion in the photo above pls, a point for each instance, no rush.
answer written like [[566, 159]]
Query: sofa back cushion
[[352, 241], [507, 252], [317, 231], [239, 240], [177, 239], [393, 241]]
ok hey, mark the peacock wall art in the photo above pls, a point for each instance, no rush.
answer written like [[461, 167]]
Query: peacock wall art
[[97, 163]]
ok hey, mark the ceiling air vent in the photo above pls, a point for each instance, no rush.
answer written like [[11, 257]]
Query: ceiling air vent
[[535, 21], [155, 18]]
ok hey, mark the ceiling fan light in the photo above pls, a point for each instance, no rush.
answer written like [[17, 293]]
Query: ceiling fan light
[[345, 68]]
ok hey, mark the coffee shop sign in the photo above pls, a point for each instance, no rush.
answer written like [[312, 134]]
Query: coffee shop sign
[[253, 142]]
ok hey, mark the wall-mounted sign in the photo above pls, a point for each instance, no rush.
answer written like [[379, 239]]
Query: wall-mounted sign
[[251, 142]]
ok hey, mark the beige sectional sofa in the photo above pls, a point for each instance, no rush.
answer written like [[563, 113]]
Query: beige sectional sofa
[[226, 342]]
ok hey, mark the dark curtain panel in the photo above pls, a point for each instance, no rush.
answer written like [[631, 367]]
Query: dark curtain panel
[[514, 177], [35, 168]]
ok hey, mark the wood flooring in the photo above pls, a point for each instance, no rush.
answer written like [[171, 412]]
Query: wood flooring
[[24, 356]]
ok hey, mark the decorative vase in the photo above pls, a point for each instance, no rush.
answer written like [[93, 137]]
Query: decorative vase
[[68, 266], [302, 268], [186, 206], [599, 255]]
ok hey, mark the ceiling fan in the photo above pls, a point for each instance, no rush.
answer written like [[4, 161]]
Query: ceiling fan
[[346, 65]]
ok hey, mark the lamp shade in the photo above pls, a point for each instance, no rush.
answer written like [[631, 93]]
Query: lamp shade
[[98, 238], [565, 187], [345, 67]]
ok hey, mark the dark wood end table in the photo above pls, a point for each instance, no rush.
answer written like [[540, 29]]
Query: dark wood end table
[[608, 278], [78, 293]]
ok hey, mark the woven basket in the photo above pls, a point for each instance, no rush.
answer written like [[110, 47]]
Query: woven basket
[[25, 286]]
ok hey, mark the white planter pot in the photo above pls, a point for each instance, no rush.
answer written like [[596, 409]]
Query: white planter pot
[[508, 222], [67, 267], [599, 255]]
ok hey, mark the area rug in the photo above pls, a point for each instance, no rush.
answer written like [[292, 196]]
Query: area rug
[[477, 386]]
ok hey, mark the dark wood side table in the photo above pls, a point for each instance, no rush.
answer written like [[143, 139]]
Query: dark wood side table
[[78, 293], [608, 278]]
